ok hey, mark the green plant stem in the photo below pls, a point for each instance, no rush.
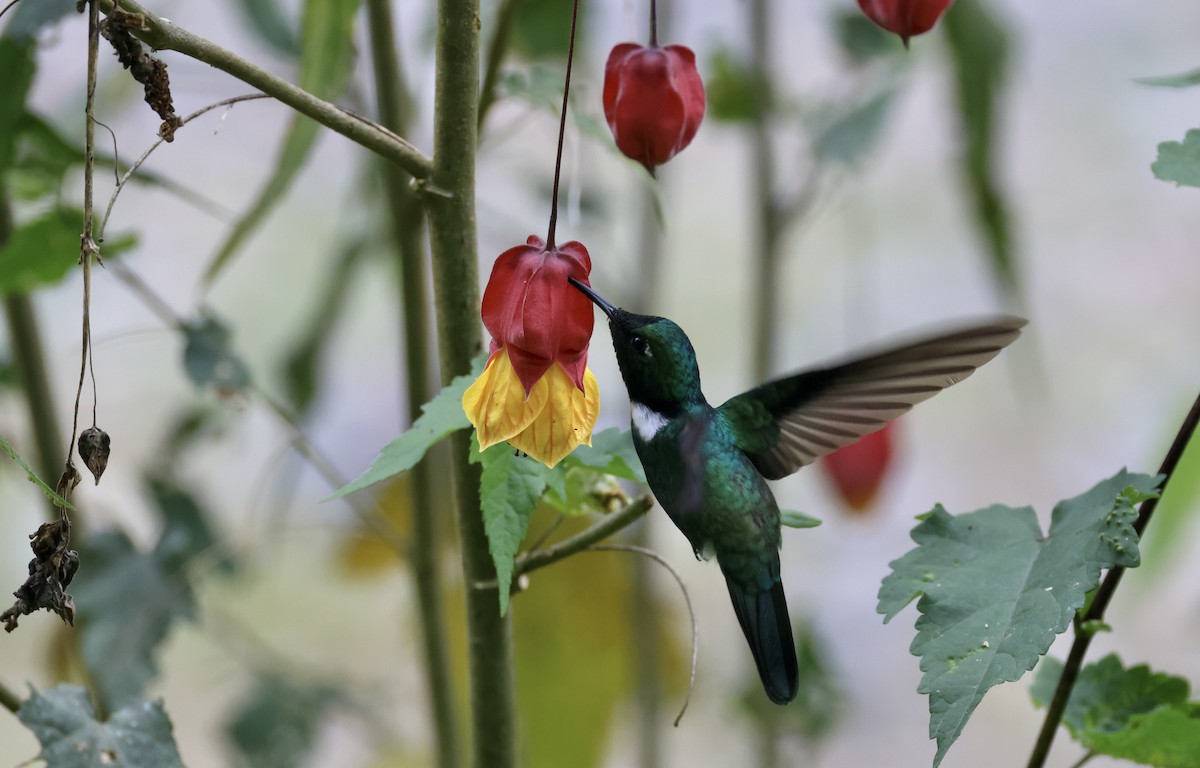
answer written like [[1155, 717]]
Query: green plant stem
[[1095, 612], [10, 700], [450, 208], [614, 522], [767, 223], [164, 35], [497, 47], [394, 107], [30, 363]]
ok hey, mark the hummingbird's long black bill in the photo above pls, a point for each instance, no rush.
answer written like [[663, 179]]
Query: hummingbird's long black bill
[[596, 298]]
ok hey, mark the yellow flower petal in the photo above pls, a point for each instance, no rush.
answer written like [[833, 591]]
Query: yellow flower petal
[[496, 403], [566, 421]]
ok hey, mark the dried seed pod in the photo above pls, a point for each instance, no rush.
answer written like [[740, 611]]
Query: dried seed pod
[[94, 450]]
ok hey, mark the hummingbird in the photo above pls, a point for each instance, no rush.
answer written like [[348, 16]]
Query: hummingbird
[[708, 467]]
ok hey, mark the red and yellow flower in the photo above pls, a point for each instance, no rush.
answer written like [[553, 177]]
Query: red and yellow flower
[[536, 391]]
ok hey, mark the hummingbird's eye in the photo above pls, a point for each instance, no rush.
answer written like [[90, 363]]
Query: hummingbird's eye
[[641, 345]]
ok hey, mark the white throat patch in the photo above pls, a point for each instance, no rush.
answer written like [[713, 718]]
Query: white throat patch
[[648, 423]]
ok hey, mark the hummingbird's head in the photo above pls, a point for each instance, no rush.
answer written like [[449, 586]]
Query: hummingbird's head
[[656, 358]]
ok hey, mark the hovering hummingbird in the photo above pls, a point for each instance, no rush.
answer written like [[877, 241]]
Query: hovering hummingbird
[[708, 467]]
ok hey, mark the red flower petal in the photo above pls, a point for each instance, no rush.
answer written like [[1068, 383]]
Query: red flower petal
[[857, 471], [653, 101], [905, 17], [531, 310]]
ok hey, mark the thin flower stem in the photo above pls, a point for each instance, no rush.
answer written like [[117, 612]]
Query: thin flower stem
[[653, 23], [562, 128], [686, 598], [394, 107], [1095, 613], [164, 35], [767, 225], [124, 178]]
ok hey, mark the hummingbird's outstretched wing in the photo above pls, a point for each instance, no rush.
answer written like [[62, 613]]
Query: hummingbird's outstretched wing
[[788, 423]]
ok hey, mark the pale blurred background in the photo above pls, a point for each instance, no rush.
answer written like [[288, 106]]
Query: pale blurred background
[[1107, 259]]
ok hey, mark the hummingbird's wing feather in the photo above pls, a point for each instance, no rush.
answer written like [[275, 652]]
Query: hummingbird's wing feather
[[788, 423]]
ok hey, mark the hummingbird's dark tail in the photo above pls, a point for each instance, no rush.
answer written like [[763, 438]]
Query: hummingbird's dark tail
[[763, 615]]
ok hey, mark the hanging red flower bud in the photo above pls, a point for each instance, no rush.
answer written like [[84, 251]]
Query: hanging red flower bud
[[857, 470], [536, 392], [905, 17], [653, 101]]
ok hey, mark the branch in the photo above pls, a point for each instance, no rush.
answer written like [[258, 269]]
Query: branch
[[531, 561], [8, 699], [394, 105], [1095, 613], [165, 35]]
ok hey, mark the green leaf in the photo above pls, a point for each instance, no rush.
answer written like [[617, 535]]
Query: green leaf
[[733, 92], [541, 28], [29, 18], [18, 64], [439, 417], [1179, 161], [979, 46], [268, 20], [860, 39], [275, 726], [119, 635], [326, 60], [137, 736], [208, 356], [55, 499], [508, 492], [994, 591], [854, 133], [612, 453], [1181, 80], [1134, 714], [42, 251], [187, 532], [793, 519]]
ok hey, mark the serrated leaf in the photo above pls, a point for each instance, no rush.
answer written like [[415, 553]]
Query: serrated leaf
[[994, 591], [1134, 713], [138, 735], [793, 519], [854, 133], [326, 60], [508, 492], [119, 635], [979, 46], [1179, 161], [439, 417], [1181, 80], [612, 453], [208, 356], [54, 498], [275, 726]]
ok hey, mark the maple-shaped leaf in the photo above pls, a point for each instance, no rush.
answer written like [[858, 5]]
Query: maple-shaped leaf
[[1135, 714], [995, 591], [139, 735]]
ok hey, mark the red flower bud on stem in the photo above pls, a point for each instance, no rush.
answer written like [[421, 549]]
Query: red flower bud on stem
[[905, 18], [857, 470], [653, 99]]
